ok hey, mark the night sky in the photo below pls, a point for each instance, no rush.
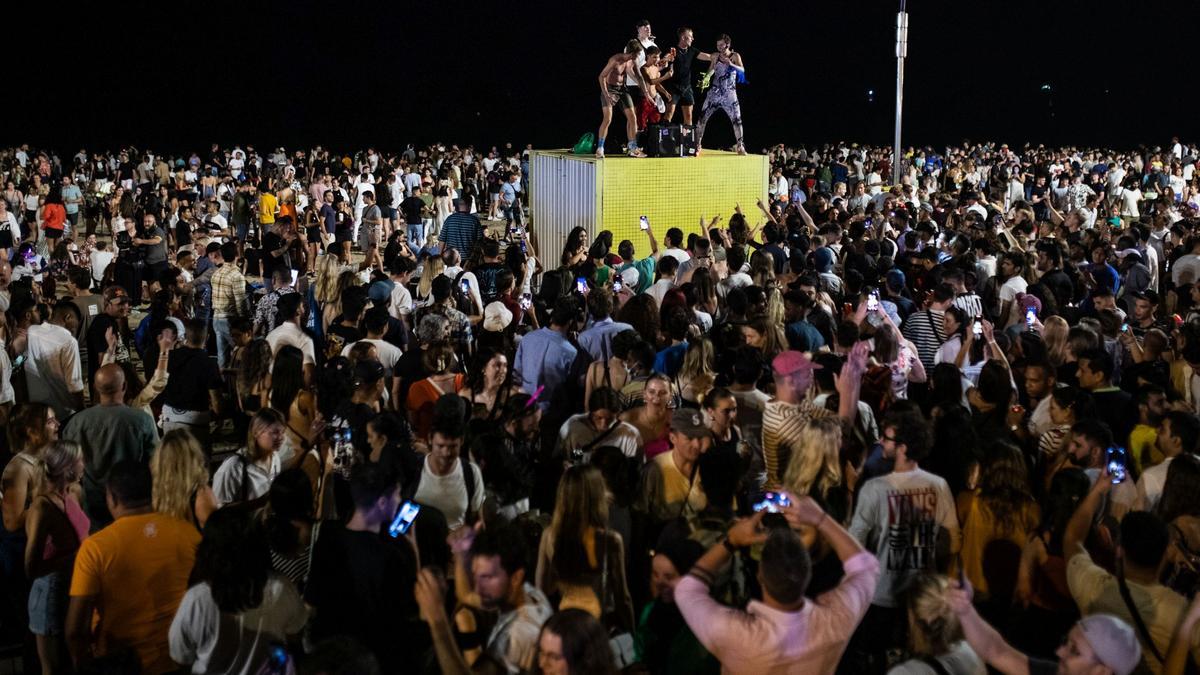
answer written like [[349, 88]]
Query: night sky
[[178, 75]]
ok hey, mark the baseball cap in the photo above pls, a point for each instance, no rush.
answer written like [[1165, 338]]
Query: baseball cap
[[1130, 252], [791, 362], [380, 291], [688, 422], [1113, 642]]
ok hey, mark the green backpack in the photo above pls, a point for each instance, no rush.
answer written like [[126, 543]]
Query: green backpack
[[586, 144]]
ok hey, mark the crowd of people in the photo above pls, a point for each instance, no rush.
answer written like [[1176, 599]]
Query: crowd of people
[[858, 427]]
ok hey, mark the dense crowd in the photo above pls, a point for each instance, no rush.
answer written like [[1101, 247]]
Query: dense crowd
[[338, 413]]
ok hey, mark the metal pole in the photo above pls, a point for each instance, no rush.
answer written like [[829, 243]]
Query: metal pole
[[901, 52]]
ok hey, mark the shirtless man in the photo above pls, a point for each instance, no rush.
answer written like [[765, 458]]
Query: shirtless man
[[648, 110], [681, 76], [613, 92]]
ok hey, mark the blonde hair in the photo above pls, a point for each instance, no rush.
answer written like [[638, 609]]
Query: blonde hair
[[815, 463], [1054, 334], [933, 627], [178, 469], [327, 278], [434, 266], [59, 461], [697, 369]]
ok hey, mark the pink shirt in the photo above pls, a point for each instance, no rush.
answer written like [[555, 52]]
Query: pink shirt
[[765, 640]]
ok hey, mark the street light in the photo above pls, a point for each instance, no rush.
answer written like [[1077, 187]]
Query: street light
[[901, 53]]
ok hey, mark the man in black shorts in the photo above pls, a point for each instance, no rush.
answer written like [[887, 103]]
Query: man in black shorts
[[613, 92], [681, 81]]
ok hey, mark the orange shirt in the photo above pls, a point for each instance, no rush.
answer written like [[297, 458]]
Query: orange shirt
[[53, 216], [137, 568], [421, 398]]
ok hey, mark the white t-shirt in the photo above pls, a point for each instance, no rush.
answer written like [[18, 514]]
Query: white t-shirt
[[100, 261], [241, 643], [52, 367], [448, 493], [1150, 485], [960, 660], [658, 290], [676, 253], [227, 481], [735, 280], [7, 394], [389, 354], [401, 303], [11, 220], [288, 333], [1008, 293]]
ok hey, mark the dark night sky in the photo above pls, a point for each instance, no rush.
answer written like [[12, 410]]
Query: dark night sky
[[304, 72]]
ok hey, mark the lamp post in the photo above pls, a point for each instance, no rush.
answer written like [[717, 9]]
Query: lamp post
[[901, 52]]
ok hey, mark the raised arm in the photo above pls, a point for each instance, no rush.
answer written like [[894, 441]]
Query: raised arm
[[1081, 521], [984, 639]]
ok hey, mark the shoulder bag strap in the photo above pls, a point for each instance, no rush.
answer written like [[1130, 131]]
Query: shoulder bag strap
[[603, 572], [1133, 612], [468, 481], [933, 327], [935, 665]]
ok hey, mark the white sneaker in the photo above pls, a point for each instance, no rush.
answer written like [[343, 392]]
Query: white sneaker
[[599, 153]]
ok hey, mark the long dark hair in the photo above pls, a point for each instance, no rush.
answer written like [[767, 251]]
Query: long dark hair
[[233, 558], [585, 645], [287, 378], [1068, 487], [290, 498], [1179, 496]]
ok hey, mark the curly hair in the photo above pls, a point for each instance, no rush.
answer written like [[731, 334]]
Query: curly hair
[[234, 559], [178, 469], [1004, 487], [256, 363]]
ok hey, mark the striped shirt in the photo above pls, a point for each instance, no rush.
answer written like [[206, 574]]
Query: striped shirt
[[460, 232], [926, 332], [781, 425]]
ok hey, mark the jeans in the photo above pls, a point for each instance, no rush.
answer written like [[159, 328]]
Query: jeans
[[224, 341], [416, 234]]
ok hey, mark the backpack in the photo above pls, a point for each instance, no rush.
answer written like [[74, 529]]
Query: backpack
[[586, 144]]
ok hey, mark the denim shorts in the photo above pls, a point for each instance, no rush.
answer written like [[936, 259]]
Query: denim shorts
[[48, 604]]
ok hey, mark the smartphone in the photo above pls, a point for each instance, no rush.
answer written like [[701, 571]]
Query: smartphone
[[644, 223], [772, 502], [526, 301], [1124, 328], [466, 287], [581, 284], [617, 285], [1030, 315], [873, 301], [404, 519], [977, 329], [1116, 465], [295, 275]]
